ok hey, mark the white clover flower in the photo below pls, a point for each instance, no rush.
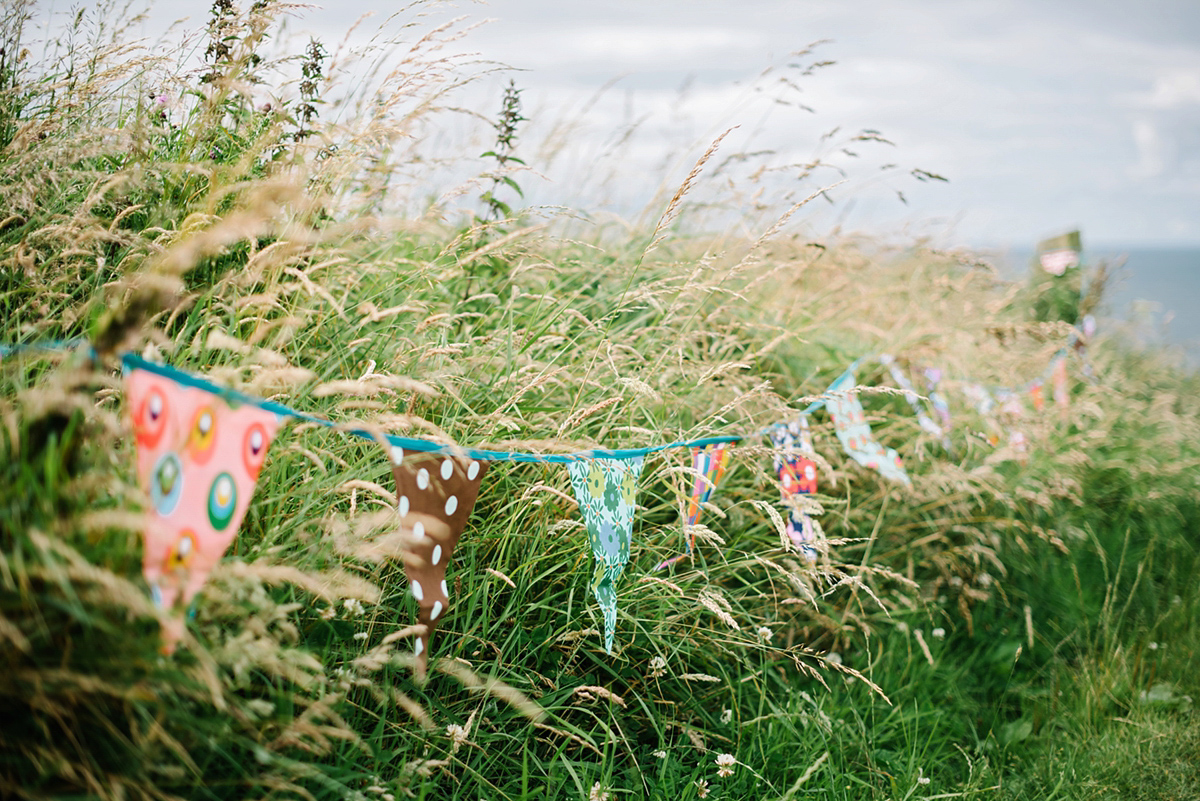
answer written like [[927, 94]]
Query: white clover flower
[[353, 606], [658, 667], [725, 763], [834, 657], [328, 613], [702, 789], [726, 715], [939, 633], [765, 634], [660, 754], [598, 793], [360, 635]]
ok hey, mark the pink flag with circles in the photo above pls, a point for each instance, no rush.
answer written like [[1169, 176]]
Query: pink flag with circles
[[198, 459]]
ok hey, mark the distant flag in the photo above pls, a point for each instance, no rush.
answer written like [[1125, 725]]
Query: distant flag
[[850, 422], [982, 401], [1012, 408], [1037, 394], [933, 377], [793, 452], [1060, 253], [708, 466], [1058, 378], [910, 394]]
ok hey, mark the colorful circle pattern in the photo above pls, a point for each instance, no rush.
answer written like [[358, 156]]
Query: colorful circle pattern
[[166, 484], [181, 553], [203, 437], [150, 418], [222, 500], [254, 449]]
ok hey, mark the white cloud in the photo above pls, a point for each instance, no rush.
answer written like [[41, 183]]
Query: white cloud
[[1173, 90], [1152, 150]]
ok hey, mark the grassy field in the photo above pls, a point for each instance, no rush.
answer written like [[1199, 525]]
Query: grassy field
[[1005, 628]]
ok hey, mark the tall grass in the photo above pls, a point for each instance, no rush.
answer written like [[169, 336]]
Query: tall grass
[[959, 632]]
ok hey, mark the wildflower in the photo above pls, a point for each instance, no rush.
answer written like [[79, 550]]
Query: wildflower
[[725, 763], [598, 793], [328, 613], [360, 635], [457, 735], [658, 667], [765, 634], [921, 777], [726, 715], [353, 606], [1153, 646], [702, 789], [834, 657], [939, 633], [660, 754]]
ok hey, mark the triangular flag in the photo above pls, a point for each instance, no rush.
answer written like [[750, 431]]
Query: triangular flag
[[606, 490], [1062, 395], [1037, 394], [852, 429], [910, 394], [933, 377], [1012, 408], [797, 476], [708, 466], [981, 399], [434, 497], [198, 458]]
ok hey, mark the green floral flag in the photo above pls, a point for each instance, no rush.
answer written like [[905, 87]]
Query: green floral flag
[[606, 490]]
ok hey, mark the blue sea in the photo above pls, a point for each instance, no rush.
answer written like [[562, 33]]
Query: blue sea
[[1153, 293]]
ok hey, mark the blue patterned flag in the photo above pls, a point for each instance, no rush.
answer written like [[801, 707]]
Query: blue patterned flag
[[606, 490], [852, 429]]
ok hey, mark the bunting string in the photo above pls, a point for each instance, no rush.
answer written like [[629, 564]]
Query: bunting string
[[200, 447]]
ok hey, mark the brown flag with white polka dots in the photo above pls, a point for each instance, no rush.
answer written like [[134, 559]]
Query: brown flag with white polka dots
[[434, 497]]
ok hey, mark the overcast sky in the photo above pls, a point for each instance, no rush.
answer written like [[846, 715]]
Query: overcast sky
[[1042, 115]]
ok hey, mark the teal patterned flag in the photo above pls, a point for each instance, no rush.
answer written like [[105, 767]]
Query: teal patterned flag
[[606, 490], [852, 429]]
